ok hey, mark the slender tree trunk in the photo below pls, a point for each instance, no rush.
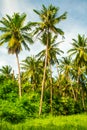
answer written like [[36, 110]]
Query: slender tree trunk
[[83, 101], [43, 83], [51, 88], [78, 83], [32, 83], [73, 93], [19, 76], [57, 69], [13, 77], [44, 77]]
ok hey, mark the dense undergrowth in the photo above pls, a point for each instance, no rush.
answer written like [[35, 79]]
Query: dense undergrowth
[[73, 122], [15, 110]]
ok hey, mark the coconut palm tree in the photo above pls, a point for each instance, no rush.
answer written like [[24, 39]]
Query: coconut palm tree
[[15, 35], [53, 52], [66, 67], [32, 70], [79, 51], [49, 19], [6, 71]]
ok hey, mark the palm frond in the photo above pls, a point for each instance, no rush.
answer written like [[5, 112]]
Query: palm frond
[[25, 46]]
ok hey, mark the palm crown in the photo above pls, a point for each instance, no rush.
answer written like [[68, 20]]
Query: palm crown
[[79, 50], [15, 32], [49, 19]]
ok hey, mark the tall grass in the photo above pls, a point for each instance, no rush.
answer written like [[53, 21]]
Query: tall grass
[[73, 122]]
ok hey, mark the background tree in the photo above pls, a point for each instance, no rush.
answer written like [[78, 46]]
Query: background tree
[[79, 53], [32, 71], [6, 71]]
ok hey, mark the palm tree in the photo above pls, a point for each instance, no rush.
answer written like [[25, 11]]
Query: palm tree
[[6, 71], [49, 19], [32, 70], [15, 35], [66, 77], [66, 66], [79, 51], [53, 51]]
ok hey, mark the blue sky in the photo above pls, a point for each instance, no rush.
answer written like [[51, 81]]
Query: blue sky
[[75, 23]]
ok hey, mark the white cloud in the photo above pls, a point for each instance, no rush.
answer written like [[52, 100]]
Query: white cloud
[[9, 7], [71, 26], [71, 33]]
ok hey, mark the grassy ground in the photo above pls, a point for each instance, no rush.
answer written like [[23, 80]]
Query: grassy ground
[[74, 122]]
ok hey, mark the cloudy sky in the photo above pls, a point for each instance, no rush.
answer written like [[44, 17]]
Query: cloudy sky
[[76, 23]]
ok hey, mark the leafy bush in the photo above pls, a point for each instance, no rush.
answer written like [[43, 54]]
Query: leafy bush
[[21, 109], [8, 90], [63, 106], [30, 103], [10, 112], [78, 107]]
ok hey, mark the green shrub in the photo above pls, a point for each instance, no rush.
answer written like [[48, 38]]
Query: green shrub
[[21, 109], [8, 90], [63, 106], [11, 113], [78, 107], [29, 104]]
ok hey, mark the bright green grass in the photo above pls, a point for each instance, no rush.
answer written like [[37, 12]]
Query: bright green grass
[[74, 122]]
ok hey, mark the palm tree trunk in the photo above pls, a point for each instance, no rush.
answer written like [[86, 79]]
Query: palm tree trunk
[[83, 101], [57, 69], [43, 83], [32, 83], [73, 93], [19, 76], [78, 83], [13, 77], [51, 90], [44, 76]]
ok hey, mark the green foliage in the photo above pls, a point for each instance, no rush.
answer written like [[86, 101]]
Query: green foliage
[[30, 103], [65, 95], [78, 107], [11, 112], [8, 90], [19, 110], [63, 106], [75, 122]]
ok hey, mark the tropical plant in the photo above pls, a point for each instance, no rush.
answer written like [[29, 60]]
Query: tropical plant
[[65, 74], [53, 52], [79, 50], [49, 19], [15, 35], [6, 71], [32, 71], [79, 54]]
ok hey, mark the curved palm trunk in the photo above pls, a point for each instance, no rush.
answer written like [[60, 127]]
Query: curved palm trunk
[[19, 76], [44, 77]]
